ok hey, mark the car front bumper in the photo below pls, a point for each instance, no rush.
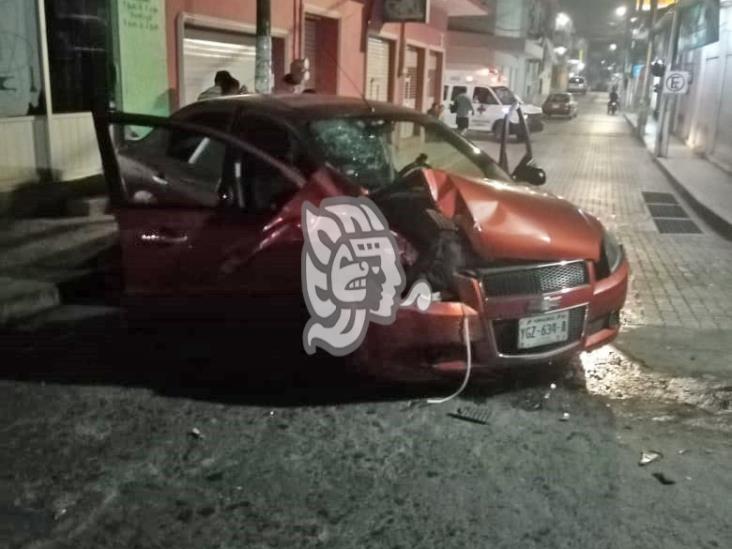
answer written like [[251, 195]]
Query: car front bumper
[[434, 340]]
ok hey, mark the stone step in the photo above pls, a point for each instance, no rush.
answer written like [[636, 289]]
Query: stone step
[[88, 207], [20, 298]]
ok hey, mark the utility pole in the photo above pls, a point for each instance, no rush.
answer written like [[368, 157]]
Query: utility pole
[[647, 81], [668, 103], [263, 65], [627, 41]]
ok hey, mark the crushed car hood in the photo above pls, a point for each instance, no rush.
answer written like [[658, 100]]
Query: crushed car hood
[[510, 221]]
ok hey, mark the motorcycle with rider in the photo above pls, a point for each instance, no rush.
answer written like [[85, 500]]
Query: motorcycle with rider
[[612, 104]]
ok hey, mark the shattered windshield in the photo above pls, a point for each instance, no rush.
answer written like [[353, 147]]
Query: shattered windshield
[[373, 151]]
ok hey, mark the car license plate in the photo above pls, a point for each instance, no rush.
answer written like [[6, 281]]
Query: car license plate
[[541, 330], [556, 105]]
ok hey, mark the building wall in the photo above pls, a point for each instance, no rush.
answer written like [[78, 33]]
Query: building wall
[[24, 140], [61, 146], [426, 38], [703, 118], [506, 47], [286, 18]]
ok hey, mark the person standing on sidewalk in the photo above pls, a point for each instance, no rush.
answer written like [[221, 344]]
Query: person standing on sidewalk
[[463, 110], [222, 81], [436, 110]]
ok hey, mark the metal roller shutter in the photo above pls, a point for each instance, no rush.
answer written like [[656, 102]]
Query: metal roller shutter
[[311, 50], [433, 77], [411, 81], [207, 51], [378, 71]]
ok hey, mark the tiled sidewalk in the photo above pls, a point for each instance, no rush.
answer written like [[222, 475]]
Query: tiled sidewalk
[[705, 185], [678, 280]]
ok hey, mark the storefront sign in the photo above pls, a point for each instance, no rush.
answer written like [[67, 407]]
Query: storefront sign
[[402, 11], [143, 58], [698, 24]]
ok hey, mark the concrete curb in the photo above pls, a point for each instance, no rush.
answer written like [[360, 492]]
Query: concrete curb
[[719, 224], [23, 298]]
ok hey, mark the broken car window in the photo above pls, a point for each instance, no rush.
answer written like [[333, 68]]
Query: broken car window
[[170, 167]]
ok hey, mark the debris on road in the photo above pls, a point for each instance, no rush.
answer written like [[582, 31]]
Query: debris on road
[[649, 456], [60, 513], [663, 479], [565, 416], [473, 415], [196, 433]]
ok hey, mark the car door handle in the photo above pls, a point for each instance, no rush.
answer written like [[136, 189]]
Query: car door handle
[[160, 179], [157, 238]]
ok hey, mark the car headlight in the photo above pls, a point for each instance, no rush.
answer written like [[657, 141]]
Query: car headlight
[[612, 251]]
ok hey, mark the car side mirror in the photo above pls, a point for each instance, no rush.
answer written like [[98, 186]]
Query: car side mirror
[[530, 174]]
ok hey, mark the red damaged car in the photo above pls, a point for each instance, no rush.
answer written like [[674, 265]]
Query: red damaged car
[[209, 205]]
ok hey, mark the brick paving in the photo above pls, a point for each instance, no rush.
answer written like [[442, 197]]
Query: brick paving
[[679, 280]]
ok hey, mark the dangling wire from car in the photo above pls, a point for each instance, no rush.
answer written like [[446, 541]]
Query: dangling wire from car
[[468, 363]]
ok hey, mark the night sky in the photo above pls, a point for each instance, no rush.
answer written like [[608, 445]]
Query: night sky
[[593, 18]]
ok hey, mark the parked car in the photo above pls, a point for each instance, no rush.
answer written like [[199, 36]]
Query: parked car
[[577, 84], [209, 201], [489, 103], [562, 104]]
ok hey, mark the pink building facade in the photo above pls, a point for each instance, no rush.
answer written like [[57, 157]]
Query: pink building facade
[[350, 49]]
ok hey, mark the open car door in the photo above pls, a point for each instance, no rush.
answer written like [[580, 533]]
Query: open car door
[[200, 215]]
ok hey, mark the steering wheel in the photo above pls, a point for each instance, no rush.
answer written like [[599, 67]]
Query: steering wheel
[[399, 183], [419, 163]]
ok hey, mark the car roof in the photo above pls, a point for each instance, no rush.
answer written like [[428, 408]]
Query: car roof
[[307, 106]]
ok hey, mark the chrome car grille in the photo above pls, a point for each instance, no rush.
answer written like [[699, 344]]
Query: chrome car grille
[[534, 279], [506, 334]]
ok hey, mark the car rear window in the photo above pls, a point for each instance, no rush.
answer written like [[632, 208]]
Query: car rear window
[[577, 80], [559, 98]]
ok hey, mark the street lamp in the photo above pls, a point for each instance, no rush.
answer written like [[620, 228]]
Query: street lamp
[[560, 50], [620, 11], [563, 20], [613, 46]]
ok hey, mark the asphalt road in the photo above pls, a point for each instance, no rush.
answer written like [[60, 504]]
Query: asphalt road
[[151, 440]]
